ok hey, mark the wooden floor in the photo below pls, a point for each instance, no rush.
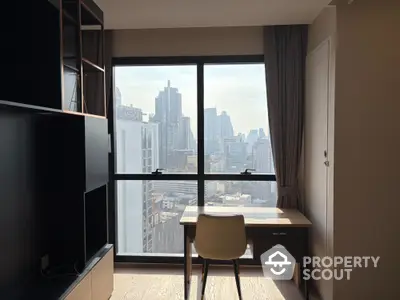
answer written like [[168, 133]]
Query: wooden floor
[[144, 283]]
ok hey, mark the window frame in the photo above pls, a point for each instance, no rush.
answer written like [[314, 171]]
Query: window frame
[[201, 177]]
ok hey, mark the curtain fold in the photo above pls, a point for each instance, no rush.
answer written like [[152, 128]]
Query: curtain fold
[[108, 55], [285, 49]]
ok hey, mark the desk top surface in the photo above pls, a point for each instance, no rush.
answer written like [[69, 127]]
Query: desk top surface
[[253, 216]]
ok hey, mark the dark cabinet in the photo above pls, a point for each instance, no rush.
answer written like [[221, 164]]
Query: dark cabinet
[[290, 238], [72, 159], [54, 149], [96, 153]]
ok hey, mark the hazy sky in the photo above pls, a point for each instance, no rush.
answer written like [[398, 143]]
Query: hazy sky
[[238, 89]]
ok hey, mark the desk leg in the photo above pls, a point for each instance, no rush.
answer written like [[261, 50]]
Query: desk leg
[[304, 284], [297, 275], [299, 281], [187, 262]]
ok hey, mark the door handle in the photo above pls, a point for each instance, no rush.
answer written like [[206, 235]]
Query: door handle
[[247, 172], [326, 163], [157, 172]]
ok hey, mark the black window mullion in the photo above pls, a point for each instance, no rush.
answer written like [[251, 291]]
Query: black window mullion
[[200, 134], [163, 177], [193, 177]]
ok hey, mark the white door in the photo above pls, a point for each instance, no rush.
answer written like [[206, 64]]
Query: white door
[[316, 154]]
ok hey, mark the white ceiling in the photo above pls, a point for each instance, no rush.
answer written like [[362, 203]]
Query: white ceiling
[[140, 14]]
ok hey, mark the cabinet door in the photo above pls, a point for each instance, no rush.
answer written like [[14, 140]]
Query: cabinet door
[[103, 277], [83, 291], [96, 151]]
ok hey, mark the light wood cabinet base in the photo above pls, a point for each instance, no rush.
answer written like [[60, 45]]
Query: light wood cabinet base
[[97, 280], [103, 278]]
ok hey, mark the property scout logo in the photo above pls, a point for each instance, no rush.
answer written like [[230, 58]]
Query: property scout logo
[[278, 264]]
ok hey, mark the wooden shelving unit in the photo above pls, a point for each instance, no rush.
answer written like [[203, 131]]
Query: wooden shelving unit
[[83, 86], [65, 66], [55, 154]]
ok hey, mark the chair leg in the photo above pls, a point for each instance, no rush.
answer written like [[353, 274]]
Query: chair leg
[[236, 267], [204, 277]]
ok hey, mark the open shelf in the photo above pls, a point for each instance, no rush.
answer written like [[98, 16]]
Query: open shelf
[[72, 98], [92, 44], [93, 93], [72, 68], [90, 66], [70, 17], [70, 10], [21, 107], [91, 14], [16, 106]]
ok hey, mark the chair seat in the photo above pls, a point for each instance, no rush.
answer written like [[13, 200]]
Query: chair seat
[[218, 254]]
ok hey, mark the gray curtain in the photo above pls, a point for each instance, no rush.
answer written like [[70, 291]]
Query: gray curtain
[[284, 54], [108, 43]]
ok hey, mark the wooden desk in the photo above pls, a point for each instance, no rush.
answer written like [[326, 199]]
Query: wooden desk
[[265, 227]]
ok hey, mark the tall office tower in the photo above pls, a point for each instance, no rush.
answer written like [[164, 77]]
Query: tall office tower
[[262, 156], [242, 137], [261, 133], [117, 98], [179, 159], [168, 113], [137, 148], [225, 126], [186, 139], [235, 154], [251, 139], [263, 163], [210, 131]]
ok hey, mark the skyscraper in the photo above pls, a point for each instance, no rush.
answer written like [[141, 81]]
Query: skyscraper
[[225, 126], [234, 154], [216, 129], [117, 97], [251, 139], [210, 131], [186, 139], [137, 146], [168, 105], [262, 157], [261, 133], [263, 163]]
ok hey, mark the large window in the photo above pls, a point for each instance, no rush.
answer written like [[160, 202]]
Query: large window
[[185, 132]]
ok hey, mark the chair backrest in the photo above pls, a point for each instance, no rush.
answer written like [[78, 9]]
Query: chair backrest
[[220, 237]]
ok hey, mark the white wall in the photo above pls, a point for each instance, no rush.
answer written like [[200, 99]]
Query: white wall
[[188, 41], [324, 26], [367, 145], [319, 136]]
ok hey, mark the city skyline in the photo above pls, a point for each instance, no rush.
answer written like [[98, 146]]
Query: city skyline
[[237, 89], [149, 210], [151, 117]]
